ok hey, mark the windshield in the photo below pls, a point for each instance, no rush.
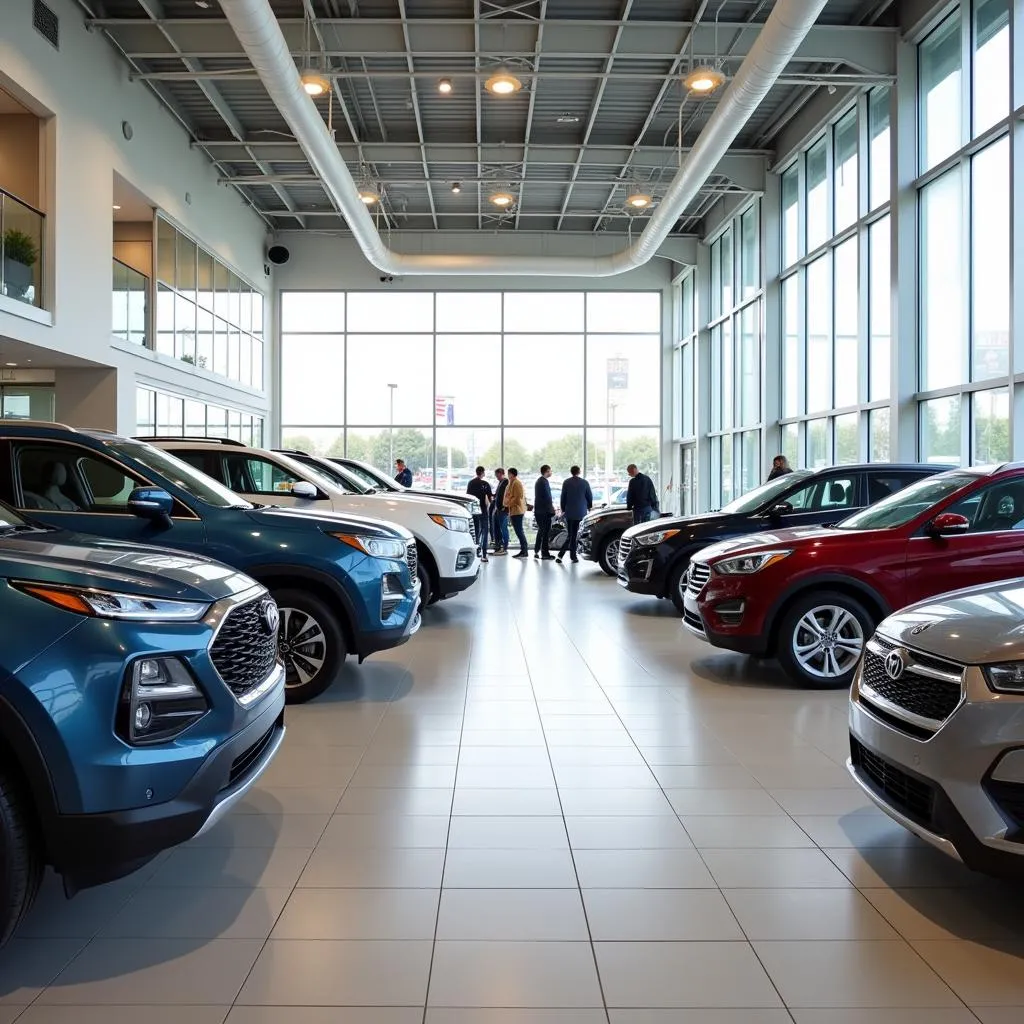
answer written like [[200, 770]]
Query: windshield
[[9, 519], [372, 478], [753, 500], [181, 474], [903, 506], [341, 478]]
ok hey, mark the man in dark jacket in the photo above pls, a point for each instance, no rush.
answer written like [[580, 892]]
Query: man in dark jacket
[[404, 474], [543, 513], [500, 514], [576, 501], [641, 495], [481, 490]]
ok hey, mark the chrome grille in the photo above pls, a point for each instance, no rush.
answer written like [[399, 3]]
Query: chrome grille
[[244, 652], [625, 546], [412, 557], [698, 577], [472, 528]]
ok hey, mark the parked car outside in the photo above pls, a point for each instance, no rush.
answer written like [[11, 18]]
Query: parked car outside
[[654, 557], [344, 584], [381, 482], [811, 596], [444, 532], [937, 724], [141, 696]]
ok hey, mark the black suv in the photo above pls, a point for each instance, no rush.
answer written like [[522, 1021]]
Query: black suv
[[654, 557], [600, 534]]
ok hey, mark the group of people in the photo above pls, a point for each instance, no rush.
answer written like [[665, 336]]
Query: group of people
[[506, 505]]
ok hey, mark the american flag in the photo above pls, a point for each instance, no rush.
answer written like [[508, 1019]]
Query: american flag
[[440, 407]]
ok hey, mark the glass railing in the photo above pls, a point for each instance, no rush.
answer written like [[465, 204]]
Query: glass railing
[[131, 305], [21, 251]]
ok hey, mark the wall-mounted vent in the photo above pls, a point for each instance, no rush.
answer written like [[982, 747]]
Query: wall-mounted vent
[[45, 22]]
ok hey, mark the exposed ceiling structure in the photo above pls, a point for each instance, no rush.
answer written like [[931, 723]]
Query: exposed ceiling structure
[[602, 112]]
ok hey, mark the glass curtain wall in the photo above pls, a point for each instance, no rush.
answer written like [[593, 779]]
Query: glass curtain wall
[[964, 195], [684, 391], [447, 380], [835, 291], [160, 413], [736, 353]]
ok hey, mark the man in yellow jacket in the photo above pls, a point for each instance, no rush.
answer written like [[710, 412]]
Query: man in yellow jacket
[[515, 502]]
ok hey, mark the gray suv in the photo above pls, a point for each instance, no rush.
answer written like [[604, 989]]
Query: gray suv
[[937, 724]]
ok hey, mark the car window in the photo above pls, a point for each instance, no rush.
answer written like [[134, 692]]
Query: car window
[[882, 484], [903, 506], [825, 494], [335, 475], [67, 478], [259, 475], [995, 508], [761, 496]]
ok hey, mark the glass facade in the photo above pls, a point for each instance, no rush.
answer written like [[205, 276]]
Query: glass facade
[[161, 413]]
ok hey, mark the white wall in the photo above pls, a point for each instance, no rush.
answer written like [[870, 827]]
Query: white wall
[[85, 88]]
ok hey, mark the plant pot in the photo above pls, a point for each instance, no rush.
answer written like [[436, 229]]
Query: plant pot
[[18, 279]]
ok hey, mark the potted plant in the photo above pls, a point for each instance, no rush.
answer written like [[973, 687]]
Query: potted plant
[[20, 254]]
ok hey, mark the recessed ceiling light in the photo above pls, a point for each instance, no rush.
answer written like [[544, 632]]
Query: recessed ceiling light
[[116, 207], [456, 187], [444, 86], [638, 200], [704, 80], [503, 84], [567, 119], [314, 83], [502, 199], [11, 364]]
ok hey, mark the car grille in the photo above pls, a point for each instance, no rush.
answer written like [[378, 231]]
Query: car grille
[[472, 529], [244, 653], [694, 621], [625, 546], [698, 578], [412, 556], [917, 692], [912, 797], [583, 540]]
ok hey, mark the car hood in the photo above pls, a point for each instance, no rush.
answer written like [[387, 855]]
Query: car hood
[[279, 517], [976, 626], [689, 523], [73, 559], [599, 515], [802, 535], [447, 505]]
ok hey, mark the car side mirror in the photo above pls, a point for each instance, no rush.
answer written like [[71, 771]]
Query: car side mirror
[[304, 489], [947, 523], [151, 503], [780, 508]]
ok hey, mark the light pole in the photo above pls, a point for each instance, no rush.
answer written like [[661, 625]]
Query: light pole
[[391, 422]]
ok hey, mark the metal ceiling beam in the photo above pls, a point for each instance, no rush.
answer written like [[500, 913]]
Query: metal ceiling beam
[[416, 108], [533, 99]]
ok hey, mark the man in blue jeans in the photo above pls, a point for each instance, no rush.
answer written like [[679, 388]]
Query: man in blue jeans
[[481, 490], [500, 525]]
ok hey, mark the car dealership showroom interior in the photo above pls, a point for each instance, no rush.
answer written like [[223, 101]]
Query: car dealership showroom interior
[[508, 512]]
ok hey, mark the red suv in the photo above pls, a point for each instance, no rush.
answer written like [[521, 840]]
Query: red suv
[[812, 596]]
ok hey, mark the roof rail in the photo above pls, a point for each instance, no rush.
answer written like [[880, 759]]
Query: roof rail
[[11, 421], [289, 451], [175, 437]]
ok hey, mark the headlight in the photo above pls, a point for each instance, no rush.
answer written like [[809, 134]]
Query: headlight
[[376, 547], [159, 700], [456, 523], [1007, 677], [106, 604], [744, 565], [651, 539]]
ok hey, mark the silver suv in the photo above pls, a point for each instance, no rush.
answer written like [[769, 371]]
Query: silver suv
[[937, 724]]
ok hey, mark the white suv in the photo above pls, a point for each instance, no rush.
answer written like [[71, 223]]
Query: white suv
[[444, 533]]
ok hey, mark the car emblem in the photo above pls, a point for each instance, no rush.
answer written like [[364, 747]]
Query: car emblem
[[920, 628], [895, 665], [270, 617]]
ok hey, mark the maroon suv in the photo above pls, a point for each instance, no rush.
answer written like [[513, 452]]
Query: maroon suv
[[812, 596]]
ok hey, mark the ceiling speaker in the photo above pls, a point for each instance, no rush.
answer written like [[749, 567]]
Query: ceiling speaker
[[278, 255]]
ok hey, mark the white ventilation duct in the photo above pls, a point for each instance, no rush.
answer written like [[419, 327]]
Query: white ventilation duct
[[260, 35]]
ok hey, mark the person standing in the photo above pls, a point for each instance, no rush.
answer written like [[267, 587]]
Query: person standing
[[481, 490], [576, 501], [404, 474], [500, 527], [515, 503], [641, 495], [544, 512], [780, 467]]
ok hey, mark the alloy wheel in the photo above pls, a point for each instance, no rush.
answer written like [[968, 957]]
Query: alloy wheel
[[302, 645], [827, 641]]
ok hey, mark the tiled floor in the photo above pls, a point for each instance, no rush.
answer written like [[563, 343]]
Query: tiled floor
[[552, 807]]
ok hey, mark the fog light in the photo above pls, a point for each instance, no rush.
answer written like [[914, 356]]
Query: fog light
[[159, 700], [464, 560], [143, 717], [392, 594]]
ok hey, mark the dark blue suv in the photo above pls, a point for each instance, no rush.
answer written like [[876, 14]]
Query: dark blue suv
[[344, 584], [141, 696]]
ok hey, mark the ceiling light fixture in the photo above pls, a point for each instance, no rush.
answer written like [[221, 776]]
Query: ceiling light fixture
[[704, 80], [314, 83], [456, 187], [116, 207], [503, 83], [638, 200], [444, 86], [11, 364], [369, 195], [502, 199]]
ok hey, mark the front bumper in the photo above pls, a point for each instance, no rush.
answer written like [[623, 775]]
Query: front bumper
[[585, 543], [449, 586], [638, 573], [742, 633], [962, 788]]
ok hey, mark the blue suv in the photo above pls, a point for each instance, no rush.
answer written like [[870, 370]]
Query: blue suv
[[344, 584], [141, 696]]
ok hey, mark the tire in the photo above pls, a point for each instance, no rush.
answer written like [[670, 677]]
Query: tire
[[21, 862], [609, 556], [313, 663], [427, 595], [821, 639], [677, 583]]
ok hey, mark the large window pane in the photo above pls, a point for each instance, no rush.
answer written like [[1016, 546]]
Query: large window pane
[[689, 318], [728, 482], [939, 90], [942, 284], [375, 362], [401, 312], [819, 335], [166, 249], [313, 312], [847, 440], [716, 279], [846, 302], [991, 63], [469, 311], [468, 372], [545, 312], [543, 378], [990, 427], [879, 309], [940, 430], [623, 312], [750, 460], [728, 272], [751, 262], [528, 448], [791, 444], [790, 216], [716, 378], [308, 394], [728, 377], [844, 172], [750, 366], [878, 435], [461, 450], [880, 142], [380, 446], [818, 456], [186, 278], [316, 440], [791, 405], [641, 446], [817, 195], [689, 418], [990, 261], [623, 379]]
